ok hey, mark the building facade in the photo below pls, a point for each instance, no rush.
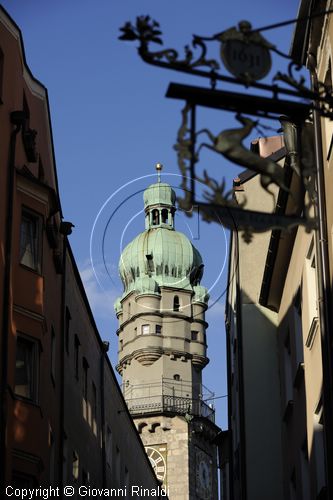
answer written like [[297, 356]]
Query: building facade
[[64, 420], [254, 468], [162, 351], [275, 354]]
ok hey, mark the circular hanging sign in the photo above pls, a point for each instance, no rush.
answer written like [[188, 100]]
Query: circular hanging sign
[[247, 61]]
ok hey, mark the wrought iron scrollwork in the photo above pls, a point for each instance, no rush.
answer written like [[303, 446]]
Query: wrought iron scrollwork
[[146, 30], [247, 56]]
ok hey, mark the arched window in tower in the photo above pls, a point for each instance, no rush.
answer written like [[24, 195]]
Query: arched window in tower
[[176, 303], [176, 377], [165, 216], [129, 309], [155, 217]]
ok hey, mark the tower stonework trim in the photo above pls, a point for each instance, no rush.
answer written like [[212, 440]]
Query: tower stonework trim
[[162, 351]]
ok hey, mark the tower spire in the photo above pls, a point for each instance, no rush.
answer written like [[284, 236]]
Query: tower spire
[[158, 167]]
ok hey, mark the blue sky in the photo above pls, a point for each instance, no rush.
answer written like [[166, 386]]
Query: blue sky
[[112, 123]]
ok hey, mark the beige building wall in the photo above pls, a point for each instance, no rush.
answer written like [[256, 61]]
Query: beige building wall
[[255, 401]]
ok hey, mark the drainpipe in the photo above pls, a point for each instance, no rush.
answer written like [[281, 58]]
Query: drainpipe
[[17, 119], [323, 279]]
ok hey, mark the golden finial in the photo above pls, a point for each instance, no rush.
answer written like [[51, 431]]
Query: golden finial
[[159, 167]]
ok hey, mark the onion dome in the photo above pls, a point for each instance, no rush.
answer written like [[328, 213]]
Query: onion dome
[[160, 256]]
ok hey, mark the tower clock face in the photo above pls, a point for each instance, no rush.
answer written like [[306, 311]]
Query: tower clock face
[[157, 461], [203, 475]]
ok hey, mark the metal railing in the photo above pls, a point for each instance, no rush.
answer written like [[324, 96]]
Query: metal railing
[[170, 404]]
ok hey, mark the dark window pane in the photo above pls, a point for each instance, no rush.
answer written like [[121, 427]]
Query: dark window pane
[[25, 369]]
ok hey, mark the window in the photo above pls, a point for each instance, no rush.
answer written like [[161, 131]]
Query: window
[[158, 329], [26, 368], [75, 465], [30, 241], [85, 367], [176, 377], [176, 303], [145, 329], [155, 217], [164, 216], [194, 335], [53, 354], [94, 409], [76, 355]]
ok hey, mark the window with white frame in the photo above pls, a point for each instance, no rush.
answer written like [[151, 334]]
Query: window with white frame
[[26, 368], [145, 329], [30, 240]]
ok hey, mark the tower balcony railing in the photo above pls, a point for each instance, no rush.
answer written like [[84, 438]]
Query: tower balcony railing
[[171, 404]]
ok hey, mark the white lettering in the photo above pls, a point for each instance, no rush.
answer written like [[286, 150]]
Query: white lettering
[[135, 490]]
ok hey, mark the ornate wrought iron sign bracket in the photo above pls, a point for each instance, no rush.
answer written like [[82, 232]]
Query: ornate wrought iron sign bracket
[[246, 54]]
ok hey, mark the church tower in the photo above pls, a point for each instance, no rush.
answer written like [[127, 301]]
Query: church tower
[[162, 350]]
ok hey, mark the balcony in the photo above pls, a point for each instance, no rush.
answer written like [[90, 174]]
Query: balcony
[[170, 397]]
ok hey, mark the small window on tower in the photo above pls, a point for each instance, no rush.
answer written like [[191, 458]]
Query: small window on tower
[[145, 329], [155, 217], [158, 329], [164, 216], [194, 335], [176, 377], [176, 303]]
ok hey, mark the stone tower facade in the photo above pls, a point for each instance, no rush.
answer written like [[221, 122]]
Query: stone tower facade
[[162, 351]]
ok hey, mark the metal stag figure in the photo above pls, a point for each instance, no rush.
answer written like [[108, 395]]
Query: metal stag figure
[[229, 144]]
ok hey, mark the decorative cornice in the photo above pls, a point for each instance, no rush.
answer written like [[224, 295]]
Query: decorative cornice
[[149, 355]]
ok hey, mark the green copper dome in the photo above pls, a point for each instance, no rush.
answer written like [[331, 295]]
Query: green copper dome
[[160, 256]]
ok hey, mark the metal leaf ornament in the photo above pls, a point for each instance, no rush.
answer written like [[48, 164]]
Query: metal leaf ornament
[[147, 30]]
